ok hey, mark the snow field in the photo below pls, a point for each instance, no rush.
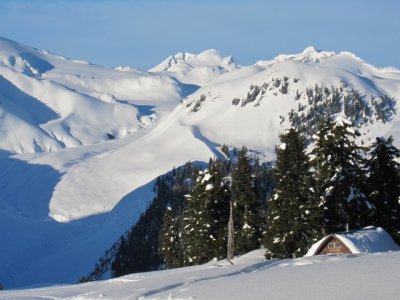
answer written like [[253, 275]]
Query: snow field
[[368, 276]]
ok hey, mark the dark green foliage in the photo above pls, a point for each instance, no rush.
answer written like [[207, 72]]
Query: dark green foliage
[[225, 150], [103, 265], [139, 250], [277, 82], [120, 263], [256, 93], [293, 213], [298, 95], [263, 183], [171, 246], [247, 211], [187, 222], [171, 242], [235, 101], [324, 102], [252, 94], [219, 206], [206, 217], [306, 205], [384, 107], [285, 85], [384, 185], [340, 177], [197, 103], [207, 214], [196, 224], [110, 136]]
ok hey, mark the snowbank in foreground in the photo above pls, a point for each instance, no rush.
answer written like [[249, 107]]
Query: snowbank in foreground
[[368, 276]]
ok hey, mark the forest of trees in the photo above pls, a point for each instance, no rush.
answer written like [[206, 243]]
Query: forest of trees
[[186, 224], [237, 204], [199, 225], [338, 183]]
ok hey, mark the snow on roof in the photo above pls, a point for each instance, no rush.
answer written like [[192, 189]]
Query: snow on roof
[[313, 249], [370, 239]]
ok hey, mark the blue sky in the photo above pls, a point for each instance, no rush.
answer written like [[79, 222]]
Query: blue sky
[[142, 33]]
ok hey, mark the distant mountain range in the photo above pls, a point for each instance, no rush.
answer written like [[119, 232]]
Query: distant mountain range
[[81, 145]]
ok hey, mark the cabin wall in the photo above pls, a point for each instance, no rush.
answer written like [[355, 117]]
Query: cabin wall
[[333, 246]]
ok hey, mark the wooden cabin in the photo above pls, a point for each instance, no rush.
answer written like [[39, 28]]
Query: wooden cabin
[[368, 240], [332, 245]]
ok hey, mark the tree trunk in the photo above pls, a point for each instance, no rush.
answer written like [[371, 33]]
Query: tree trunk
[[231, 234]]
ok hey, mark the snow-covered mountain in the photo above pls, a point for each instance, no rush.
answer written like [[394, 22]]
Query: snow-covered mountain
[[81, 145], [252, 105], [196, 69], [49, 102]]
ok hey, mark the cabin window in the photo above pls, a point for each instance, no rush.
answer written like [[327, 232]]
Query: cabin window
[[334, 245]]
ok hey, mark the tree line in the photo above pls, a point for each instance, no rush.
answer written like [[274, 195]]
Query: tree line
[[196, 229], [186, 223], [237, 203]]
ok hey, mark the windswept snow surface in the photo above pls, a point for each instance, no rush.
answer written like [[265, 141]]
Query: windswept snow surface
[[348, 277], [68, 190]]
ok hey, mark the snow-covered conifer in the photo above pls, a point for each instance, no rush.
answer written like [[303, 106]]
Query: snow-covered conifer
[[246, 207], [206, 218], [340, 177], [293, 212], [384, 185]]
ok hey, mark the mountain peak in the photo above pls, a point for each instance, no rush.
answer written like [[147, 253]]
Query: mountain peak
[[210, 57], [309, 54], [172, 60], [310, 49], [214, 57]]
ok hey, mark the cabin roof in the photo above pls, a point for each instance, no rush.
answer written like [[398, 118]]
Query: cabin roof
[[370, 239]]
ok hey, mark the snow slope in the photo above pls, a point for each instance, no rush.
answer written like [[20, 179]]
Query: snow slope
[[258, 124], [49, 102], [372, 276], [69, 192]]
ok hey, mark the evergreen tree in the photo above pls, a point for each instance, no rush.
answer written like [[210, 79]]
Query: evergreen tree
[[293, 213], [119, 266], [187, 221], [140, 249], [384, 185], [246, 212], [196, 223], [340, 177], [206, 217], [263, 183], [230, 244], [219, 205], [171, 243]]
